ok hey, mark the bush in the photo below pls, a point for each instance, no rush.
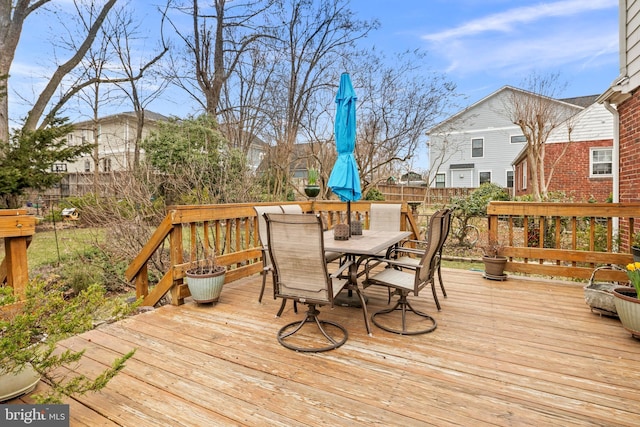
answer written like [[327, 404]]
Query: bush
[[475, 205], [374, 195], [28, 336]]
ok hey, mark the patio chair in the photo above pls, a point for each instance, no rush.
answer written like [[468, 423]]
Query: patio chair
[[301, 274], [262, 233], [411, 255], [404, 279], [293, 209], [296, 209], [385, 217]]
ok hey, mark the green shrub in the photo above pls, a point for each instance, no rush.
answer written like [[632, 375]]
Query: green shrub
[[30, 334], [374, 195], [475, 205]]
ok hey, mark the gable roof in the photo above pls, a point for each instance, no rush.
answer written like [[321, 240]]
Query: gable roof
[[148, 116], [581, 101], [495, 94]]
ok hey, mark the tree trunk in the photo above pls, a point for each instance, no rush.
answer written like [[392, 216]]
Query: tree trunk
[[36, 113], [12, 18]]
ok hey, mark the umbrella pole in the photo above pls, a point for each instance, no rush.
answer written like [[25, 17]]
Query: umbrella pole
[[349, 216]]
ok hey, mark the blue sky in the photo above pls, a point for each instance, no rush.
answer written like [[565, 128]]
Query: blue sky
[[481, 45]]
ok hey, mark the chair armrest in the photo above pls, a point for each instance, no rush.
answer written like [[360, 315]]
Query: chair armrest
[[389, 262], [341, 269], [406, 250]]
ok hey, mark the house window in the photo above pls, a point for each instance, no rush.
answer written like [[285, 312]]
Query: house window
[[509, 179], [70, 139], [517, 139], [601, 162], [106, 165], [440, 180], [59, 167], [87, 165], [477, 147], [524, 175], [484, 177]]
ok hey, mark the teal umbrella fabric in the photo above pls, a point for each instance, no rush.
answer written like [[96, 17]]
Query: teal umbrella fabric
[[344, 180]]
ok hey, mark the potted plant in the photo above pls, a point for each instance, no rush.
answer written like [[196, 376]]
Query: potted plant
[[312, 189], [635, 247], [627, 302], [205, 280], [494, 263], [30, 329]]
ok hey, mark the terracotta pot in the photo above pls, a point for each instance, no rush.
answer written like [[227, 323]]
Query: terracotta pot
[[494, 266], [628, 308], [205, 288]]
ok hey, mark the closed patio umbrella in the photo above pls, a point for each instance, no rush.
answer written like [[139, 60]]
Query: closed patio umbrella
[[344, 180]]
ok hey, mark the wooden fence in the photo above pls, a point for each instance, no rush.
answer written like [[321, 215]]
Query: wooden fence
[[429, 196]]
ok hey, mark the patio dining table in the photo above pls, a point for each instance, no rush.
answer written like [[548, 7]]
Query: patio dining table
[[369, 243]]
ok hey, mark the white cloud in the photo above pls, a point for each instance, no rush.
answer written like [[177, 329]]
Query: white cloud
[[506, 21], [553, 51]]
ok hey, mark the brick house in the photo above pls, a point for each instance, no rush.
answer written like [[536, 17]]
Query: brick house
[[623, 100], [584, 168]]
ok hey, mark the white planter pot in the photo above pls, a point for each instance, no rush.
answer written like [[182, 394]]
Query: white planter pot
[[205, 288], [14, 385], [628, 308]]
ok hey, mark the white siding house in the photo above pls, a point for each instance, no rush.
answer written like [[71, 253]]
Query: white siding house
[[116, 139], [478, 144], [594, 123]]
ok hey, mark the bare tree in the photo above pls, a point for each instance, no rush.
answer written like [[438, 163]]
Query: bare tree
[[13, 15], [218, 39], [317, 35], [444, 146], [141, 92], [245, 93], [537, 111], [397, 103]]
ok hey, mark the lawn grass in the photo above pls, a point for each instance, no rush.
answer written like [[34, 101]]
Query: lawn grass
[[49, 247]]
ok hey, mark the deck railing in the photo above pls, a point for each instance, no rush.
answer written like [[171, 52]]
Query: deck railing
[[564, 239], [193, 233], [17, 228]]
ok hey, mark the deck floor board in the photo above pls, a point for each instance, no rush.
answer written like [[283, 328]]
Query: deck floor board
[[519, 352]]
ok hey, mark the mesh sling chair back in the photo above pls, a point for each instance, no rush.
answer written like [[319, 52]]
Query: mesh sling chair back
[[297, 209], [405, 279], [384, 216], [293, 209], [300, 273], [411, 255], [262, 234]]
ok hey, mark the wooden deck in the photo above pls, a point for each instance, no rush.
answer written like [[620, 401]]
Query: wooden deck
[[521, 352]]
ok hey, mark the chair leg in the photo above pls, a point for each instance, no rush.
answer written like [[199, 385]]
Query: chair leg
[[364, 311], [405, 307], [440, 280], [264, 283], [284, 302], [312, 317], [435, 295]]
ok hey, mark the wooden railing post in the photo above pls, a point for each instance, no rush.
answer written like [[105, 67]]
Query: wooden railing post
[[492, 238], [16, 227], [177, 257]]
